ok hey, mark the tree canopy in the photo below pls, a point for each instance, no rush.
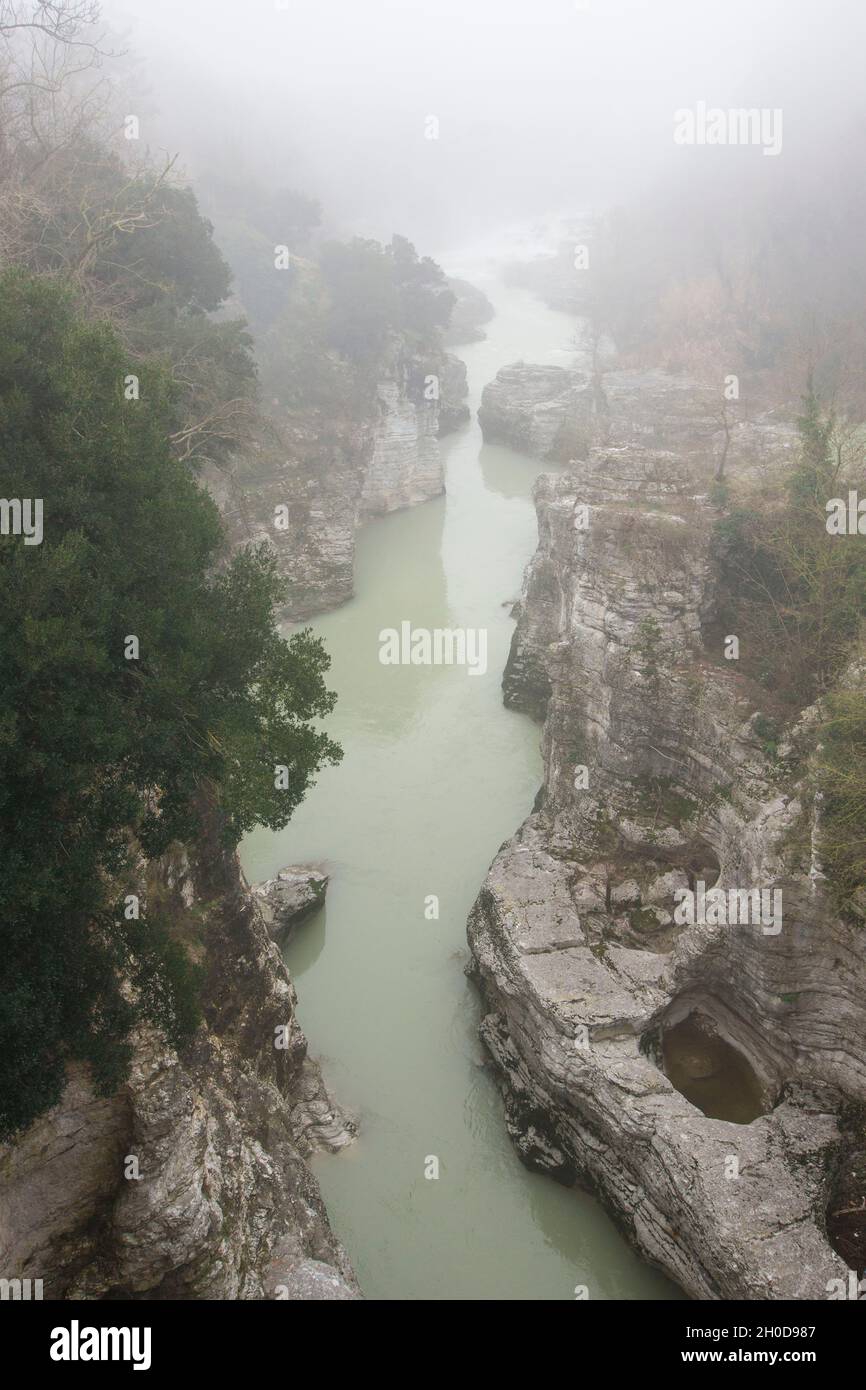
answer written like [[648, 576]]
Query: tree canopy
[[105, 754], [374, 288]]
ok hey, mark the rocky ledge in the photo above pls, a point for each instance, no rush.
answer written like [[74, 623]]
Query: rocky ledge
[[191, 1182], [558, 414], [289, 898], [700, 1078]]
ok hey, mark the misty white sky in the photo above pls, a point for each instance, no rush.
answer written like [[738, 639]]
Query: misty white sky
[[542, 104]]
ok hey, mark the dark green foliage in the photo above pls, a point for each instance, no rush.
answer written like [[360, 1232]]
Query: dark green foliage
[[136, 238], [424, 301], [767, 731], [252, 221], [840, 762], [140, 252], [375, 288], [796, 594], [363, 300], [324, 323], [810, 480], [650, 651], [328, 324], [173, 256], [797, 600], [300, 369], [95, 748], [212, 368]]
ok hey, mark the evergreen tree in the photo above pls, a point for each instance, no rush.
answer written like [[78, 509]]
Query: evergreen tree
[[104, 741]]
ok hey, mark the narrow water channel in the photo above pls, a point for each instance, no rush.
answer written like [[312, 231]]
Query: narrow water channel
[[436, 774]]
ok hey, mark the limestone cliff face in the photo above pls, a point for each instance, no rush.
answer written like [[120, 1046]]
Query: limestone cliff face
[[403, 465], [330, 474], [656, 777], [224, 1205], [558, 414]]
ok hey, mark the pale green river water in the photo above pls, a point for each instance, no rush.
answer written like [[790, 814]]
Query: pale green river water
[[436, 774]]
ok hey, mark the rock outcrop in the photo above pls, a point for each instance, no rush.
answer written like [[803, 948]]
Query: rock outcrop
[[191, 1182], [558, 414], [657, 778], [307, 491], [403, 466], [286, 900], [453, 390]]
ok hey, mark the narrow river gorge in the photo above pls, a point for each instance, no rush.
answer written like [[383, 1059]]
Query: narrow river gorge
[[433, 695], [436, 774]]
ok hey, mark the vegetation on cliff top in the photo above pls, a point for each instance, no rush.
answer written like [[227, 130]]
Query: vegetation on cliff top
[[325, 323], [116, 384], [796, 596], [97, 744]]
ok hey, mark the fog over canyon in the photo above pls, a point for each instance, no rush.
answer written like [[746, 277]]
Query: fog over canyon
[[433, 718]]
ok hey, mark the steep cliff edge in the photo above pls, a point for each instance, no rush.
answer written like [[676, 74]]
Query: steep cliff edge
[[307, 494], [190, 1183], [697, 1076]]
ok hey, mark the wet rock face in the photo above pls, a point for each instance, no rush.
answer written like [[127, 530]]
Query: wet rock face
[[307, 493], [191, 1182], [655, 780]]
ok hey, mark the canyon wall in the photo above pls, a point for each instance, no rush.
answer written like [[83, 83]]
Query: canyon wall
[[331, 472], [191, 1182], [658, 776]]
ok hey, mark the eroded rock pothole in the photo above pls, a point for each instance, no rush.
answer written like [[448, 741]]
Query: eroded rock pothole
[[712, 1074]]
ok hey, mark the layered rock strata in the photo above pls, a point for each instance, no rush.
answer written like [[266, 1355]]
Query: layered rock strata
[[191, 1182], [658, 777], [557, 414]]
